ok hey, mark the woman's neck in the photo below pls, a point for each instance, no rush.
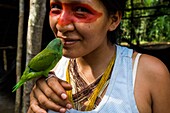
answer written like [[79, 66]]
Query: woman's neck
[[93, 65]]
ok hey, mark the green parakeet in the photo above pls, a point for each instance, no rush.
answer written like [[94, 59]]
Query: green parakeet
[[42, 63]]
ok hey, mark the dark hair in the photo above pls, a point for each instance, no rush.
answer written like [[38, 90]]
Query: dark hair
[[112, 7]]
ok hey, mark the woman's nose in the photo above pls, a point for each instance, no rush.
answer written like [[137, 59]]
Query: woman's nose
[[65, 22], [65, 28]]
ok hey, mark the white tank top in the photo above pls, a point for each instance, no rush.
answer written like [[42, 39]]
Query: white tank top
[[119, 96]]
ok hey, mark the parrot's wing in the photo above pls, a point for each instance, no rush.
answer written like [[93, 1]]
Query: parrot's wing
[[43, 60]]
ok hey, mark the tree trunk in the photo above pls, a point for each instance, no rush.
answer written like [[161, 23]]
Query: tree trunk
[[19, 54], [34, 38]]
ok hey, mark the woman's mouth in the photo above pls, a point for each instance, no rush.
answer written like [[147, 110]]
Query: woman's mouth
[[68, 41]]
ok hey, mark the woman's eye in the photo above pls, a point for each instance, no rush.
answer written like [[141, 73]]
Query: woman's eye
[[56, 6], [81, 10]]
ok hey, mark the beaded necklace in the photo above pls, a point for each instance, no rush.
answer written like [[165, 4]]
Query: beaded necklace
[[94, 95]]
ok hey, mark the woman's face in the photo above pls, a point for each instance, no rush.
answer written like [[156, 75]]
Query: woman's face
[[82, 26]]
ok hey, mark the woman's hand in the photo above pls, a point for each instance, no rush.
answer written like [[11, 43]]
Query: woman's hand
[[49, 94]]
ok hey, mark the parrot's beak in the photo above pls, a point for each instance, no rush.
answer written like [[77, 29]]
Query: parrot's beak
[[61, 39]]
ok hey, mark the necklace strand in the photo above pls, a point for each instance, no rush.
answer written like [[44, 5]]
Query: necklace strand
[[94, 95]]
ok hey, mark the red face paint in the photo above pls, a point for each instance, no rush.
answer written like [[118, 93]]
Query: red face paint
[[73, 12]]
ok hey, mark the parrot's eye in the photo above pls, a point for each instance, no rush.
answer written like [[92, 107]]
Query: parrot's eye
[[59, 43]]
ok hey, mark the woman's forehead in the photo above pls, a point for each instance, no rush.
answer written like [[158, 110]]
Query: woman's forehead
[[72, 0], [78, 1], [96, 4]]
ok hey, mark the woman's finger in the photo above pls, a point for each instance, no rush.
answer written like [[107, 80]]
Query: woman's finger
[[65, 84], [57, 87], [47, 102], [34, 108], [30, 110], [50, 94]]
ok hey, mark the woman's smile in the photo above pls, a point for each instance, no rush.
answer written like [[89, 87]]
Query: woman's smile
[[69, 41]]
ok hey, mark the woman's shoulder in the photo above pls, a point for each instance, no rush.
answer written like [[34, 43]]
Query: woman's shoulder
[[152, 69], [153, 79], [153, 66], [153, 73]]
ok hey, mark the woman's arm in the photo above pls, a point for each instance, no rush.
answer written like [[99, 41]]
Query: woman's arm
[[160, 88]]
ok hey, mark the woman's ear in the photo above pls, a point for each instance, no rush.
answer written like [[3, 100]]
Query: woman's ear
[[115, 21]]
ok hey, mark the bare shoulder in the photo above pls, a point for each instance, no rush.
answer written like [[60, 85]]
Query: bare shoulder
[[154, 69], [153, 77], [153, 66]]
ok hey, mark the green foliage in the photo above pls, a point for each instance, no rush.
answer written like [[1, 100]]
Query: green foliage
[[160, 29], [147, 21], [150, 2]]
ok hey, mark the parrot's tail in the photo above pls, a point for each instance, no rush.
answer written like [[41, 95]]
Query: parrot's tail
[[19, 84]]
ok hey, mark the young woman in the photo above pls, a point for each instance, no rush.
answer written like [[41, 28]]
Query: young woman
[[95, 74]]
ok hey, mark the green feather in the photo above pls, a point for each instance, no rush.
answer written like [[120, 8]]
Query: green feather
[[42, 63]]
